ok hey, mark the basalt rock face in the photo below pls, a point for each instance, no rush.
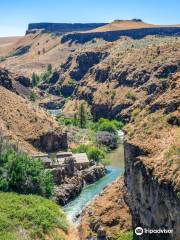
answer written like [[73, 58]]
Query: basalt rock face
[[15, 83], [70, 181], [153, 205], [93, 173], [5, 80], [63, 27], [112, 36], [50, 141], [69, 190]]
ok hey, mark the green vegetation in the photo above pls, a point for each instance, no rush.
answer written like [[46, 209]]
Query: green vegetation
[[93, 153], [22, 174], [2, 59], [131, 96], [72, 81], [35, 79], [27, 217], [33, 97], [135, 112], [82, 115], [125, 236], [173, 152], [68, 121], [100, 136], [106, 125], [44, 77]]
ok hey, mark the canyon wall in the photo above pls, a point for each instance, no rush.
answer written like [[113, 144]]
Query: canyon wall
[[112, 36], [153, 205], [63, 27]]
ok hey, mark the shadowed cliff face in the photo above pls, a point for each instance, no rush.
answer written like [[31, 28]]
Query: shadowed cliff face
[[111, 36], [63, 27], [153, 205]]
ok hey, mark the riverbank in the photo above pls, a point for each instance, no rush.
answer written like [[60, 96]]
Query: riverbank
[[107, 216], [89, 192]]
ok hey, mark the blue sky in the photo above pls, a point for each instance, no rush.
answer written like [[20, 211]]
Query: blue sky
[[16, 14]]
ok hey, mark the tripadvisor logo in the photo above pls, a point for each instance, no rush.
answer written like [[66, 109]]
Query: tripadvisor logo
[[139, 231]]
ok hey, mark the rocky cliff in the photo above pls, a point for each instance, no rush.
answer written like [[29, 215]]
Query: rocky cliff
[[111, 36], [63, 27], [70, 181], [154, 204]]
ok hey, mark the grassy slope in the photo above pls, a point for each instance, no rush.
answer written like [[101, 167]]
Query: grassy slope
[[30, 217]]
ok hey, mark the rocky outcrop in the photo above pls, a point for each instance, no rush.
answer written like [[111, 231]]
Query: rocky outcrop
[[50, 141], [93, 173], [15, 83], [26, 82], [70, 189], [153, 205], [70, 180], [21, 50], [5, 80], [52, 104], [63, 27], [112, 36]]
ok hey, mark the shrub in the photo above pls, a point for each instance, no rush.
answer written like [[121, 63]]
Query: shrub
[[2, 59], [106, 125], [68, 121], [33, 97], [125, 236], [49, 68], [81, 149], [72, 81], [23, 174], [93, 153], [131, 96], [135, 112]]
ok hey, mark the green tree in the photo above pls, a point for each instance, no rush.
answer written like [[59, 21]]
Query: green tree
[[82, 115], [49, 69], [96, 154], [33, 97], [22, 174], [35, 79]]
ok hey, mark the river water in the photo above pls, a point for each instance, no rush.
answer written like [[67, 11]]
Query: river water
[[116, 169]]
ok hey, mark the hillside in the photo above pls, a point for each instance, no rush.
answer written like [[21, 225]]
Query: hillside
[[27, 125], [32, 217], [128, 24], [123, 25]]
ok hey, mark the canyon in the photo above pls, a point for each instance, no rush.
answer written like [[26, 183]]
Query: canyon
[[129, 71]]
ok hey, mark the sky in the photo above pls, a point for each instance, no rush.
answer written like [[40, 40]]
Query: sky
[[16, 14]]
